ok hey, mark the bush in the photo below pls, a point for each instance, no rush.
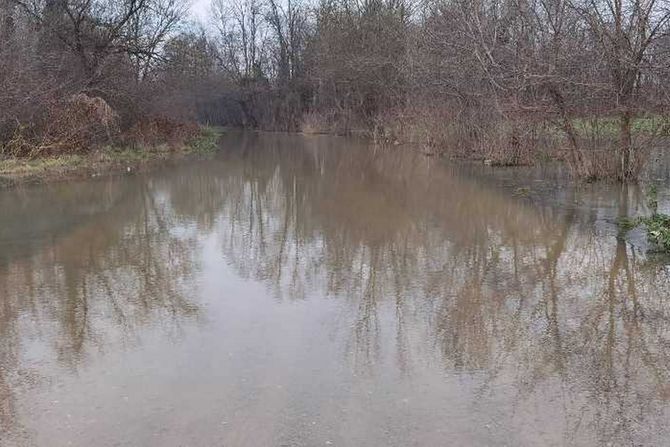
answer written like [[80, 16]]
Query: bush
[[73, 125], [658, 231], [155, 131], [657, 225]]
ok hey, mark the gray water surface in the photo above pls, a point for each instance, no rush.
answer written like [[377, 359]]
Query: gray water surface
[[309, 291]]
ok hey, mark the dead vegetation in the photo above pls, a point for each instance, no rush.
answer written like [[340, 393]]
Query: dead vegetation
[[74, 125], [496, 80], [154, 131], [79, 76]]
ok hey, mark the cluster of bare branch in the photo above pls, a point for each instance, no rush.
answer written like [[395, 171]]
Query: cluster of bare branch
[[65, 62], [490, 78], [584, 80]]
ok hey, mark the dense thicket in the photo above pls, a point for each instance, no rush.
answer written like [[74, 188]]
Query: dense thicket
[[507, 80], [500, 79], [78, 74]]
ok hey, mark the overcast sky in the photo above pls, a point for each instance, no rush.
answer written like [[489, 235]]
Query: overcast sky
[[200, 9]]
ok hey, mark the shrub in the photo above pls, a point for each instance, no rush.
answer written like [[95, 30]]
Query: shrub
[[658, 231], [657, 225], [73, 125], [158, 130]]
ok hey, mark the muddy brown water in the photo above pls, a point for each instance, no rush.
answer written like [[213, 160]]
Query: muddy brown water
[[312, 291]]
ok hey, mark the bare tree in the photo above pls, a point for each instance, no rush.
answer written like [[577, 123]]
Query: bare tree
[[626, 32], [502, 80], [241, 36], [98, 31]]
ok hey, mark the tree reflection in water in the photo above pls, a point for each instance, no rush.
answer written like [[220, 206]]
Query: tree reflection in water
[[542, 297], [92, 266], [533, 299]]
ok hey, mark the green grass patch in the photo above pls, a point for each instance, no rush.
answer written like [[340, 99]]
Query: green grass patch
[[658, 231], [657, 226], [19, 166], [206, 142], [609, 126], [105, 159]]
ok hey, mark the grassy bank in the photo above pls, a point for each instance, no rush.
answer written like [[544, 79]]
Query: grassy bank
[[609, 126], [103, 161]]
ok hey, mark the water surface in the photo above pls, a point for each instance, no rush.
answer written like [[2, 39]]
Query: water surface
[[306, 291]]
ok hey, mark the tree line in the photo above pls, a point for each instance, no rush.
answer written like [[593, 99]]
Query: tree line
[[504, 80]]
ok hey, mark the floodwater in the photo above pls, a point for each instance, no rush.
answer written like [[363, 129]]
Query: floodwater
[[313, 291]]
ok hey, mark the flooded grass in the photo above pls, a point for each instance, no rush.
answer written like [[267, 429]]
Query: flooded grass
[[104, 161], [656, 225]]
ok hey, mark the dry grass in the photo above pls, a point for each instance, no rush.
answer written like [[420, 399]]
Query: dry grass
[[597, 154], [82, 125], [332, 123], [316, 123], [507, 138], [436, 129]]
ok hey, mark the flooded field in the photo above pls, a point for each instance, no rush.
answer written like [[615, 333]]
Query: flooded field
[[308, 291]]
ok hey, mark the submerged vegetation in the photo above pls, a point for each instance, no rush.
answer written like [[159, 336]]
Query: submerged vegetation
[[658, 231], [657, 225], [105, 160]]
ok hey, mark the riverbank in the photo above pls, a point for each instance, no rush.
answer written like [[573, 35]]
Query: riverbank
[[103, 162]]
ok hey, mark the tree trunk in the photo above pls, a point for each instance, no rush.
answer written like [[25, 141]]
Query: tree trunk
[[576, 157], [626, 145]]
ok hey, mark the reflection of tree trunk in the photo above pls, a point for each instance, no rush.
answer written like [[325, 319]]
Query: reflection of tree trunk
[[9, 348], [76, 312], [366, 329], [619, 262], [402, 346], [288, 205], [554, 253], [259, 216]]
